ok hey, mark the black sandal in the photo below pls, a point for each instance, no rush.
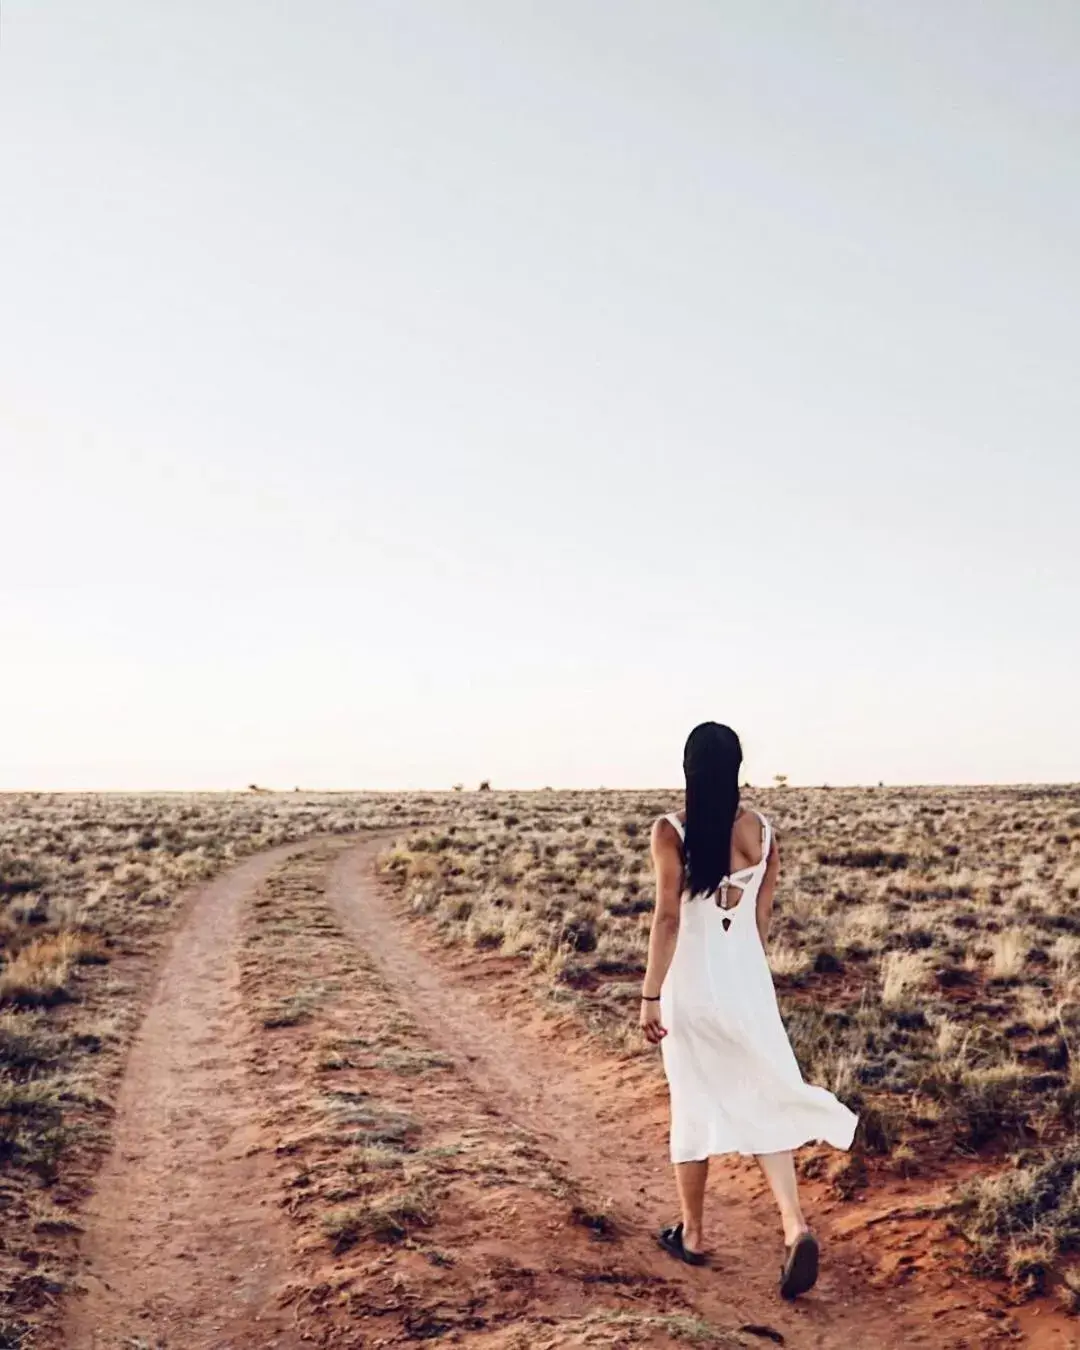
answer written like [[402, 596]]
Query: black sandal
[[800, 1269], [671, 1241]]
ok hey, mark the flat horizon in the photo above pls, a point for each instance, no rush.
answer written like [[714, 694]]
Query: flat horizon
[[509, 787]]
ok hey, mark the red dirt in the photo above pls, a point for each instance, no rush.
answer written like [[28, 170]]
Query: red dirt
[[183, 1237], [607, 1120], [187, 1246]]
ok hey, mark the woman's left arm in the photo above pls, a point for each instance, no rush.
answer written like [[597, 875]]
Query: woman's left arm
[[766, 893], [664, 934]]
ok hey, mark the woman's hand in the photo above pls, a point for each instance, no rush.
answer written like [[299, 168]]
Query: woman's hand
[[650, 1022]]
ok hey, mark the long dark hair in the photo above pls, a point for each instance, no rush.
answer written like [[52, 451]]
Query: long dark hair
[[711, 762]]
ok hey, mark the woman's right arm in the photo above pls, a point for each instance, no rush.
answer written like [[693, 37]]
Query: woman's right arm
[[766, 893]]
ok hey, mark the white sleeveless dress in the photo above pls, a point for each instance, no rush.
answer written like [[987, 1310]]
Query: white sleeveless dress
[[734, 1080]]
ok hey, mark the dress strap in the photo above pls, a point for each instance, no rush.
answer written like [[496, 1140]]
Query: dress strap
[[766, 838], [673, 819]]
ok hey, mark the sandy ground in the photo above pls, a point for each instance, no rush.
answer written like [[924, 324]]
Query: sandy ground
[[189, 1241]]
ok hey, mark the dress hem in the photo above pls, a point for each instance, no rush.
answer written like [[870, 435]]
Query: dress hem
[[759, 1152]]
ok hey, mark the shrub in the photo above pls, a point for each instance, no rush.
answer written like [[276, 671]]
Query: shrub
[[18, 876], [24, 1041], [1020, 1221], [873, 858], [31, 1124], [580, 935]]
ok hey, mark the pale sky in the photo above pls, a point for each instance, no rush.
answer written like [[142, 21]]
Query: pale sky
[[402, 392]]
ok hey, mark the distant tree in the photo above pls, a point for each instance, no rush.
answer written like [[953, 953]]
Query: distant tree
[[485, 785], [780, 779], [459, 787]]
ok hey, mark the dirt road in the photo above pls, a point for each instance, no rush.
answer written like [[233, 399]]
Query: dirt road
[[603, 1120], [188, 1246], [184, 1245]]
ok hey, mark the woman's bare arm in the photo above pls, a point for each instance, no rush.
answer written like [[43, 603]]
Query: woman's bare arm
[[664, 933], [767, 891]]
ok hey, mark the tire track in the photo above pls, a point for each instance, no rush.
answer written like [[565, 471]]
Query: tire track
[[594, 1125], [184, 1246]]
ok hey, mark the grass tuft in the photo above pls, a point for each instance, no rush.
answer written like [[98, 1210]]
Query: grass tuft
[[1021, 1221], [388, 1218]]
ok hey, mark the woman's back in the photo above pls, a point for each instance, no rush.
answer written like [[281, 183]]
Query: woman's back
[[718, 957], [750, 843]]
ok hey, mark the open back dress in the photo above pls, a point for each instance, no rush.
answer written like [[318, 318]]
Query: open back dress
[[734, 1081]]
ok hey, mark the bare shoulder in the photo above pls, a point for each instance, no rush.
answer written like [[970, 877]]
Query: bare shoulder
[[664, 835], [749, 830]]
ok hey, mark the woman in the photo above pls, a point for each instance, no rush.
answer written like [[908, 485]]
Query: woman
[[708, 1001]]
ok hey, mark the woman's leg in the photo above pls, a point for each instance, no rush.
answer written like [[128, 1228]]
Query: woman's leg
[[779, 1169], [690, 1177]]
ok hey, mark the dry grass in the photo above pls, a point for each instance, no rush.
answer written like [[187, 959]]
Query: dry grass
[[786, 961], [389, 1218], [1021, 1221], [902, 974], [39, 974], [1008, 951], [88, 891], [926, 943]]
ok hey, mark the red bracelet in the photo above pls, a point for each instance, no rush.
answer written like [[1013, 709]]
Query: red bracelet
[[646, 999]]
